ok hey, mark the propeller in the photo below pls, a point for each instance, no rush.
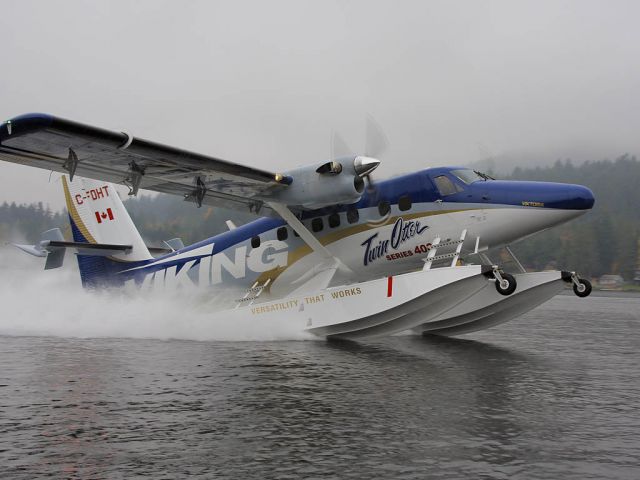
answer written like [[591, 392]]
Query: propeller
[[376, 143]]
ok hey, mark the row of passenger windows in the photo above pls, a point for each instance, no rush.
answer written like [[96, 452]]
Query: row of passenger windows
[[404, 204], [353, 216]]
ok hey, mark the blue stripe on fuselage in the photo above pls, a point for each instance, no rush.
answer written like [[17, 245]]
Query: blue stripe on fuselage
[[220, 243]]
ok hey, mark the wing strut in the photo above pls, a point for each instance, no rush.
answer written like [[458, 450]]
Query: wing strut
[[133, 181], [334, 262], [301, 230]]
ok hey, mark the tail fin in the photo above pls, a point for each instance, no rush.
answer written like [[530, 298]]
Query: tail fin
[[98, 216]]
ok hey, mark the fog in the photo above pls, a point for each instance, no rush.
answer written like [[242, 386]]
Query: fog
[[265, 83]]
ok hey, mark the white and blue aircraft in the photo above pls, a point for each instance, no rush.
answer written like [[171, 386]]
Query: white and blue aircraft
[[323, 225]]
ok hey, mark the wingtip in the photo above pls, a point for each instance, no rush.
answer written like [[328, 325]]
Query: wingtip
[[25, 123]]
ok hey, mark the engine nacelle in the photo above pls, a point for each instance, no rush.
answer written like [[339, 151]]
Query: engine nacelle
[[329, 183]]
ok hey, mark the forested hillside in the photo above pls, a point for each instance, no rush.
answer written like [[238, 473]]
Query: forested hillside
[[158, 218], [162, 217], [27, 222], [604, 240]]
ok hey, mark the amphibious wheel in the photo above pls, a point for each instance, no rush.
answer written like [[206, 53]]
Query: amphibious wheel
[[507, 285], [583, 289]]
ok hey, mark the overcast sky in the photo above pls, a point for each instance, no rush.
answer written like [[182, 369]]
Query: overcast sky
[[265, 83]]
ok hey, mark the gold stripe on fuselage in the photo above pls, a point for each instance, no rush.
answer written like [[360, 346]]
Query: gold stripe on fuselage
[[305, 250]]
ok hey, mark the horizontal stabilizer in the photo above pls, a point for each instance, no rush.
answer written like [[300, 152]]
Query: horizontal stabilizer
[[175, 244], [49, 247], [40, 249], [54, 235], [34, 250], [159, 250], [95, 249], [53, 246]]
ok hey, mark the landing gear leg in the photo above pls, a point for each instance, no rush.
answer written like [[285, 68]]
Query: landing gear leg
[[505, 282], [581, 286]]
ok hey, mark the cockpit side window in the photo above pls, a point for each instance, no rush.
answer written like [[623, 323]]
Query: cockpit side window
[[469, 176], [446, 186]]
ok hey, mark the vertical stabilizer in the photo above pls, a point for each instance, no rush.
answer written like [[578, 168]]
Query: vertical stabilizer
[[98, 216]]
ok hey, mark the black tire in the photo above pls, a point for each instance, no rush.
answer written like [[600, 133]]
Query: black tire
[[510, 288], [587, 289]]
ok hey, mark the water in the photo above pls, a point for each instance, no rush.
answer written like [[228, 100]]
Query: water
[[554, 394]]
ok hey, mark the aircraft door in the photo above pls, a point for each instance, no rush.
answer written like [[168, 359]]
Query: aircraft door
[[448, 192], [464, 207]]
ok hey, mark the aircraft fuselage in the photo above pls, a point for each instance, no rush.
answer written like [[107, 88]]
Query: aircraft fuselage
[[388, 232]]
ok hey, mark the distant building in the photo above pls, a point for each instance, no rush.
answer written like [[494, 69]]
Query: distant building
[[610, 282]]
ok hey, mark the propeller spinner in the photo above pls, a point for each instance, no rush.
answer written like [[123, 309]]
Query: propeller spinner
[[363, 166]]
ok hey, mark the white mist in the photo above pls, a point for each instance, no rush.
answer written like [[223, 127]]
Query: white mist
[[35, 302]]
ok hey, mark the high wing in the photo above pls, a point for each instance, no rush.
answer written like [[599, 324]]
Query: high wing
[[52, 143]]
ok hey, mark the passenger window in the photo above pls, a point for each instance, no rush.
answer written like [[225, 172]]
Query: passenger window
[[353, 216], [334, 220], [316, 224], [255, 242], [445, 185], [384, 207], [282, 233], [404, 203]]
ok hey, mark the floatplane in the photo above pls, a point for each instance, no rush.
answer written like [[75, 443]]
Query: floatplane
[[332, 251]]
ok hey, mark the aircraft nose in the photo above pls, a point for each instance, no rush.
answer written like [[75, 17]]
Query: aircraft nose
[[580, 198], [563, 196]]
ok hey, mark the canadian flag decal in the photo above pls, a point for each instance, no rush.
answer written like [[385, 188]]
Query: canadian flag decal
[[107, 215]]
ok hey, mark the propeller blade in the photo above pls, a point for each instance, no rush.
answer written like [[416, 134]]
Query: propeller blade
[[376, 142], [370, 185], [339, 147]]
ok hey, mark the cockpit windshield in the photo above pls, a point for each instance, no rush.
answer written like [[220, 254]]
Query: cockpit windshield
[[469, 176]]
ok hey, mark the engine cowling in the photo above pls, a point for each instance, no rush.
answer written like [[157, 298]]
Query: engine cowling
[[329, 183]]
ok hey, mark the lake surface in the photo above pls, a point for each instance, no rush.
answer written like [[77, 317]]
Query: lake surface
[[555, 394]]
